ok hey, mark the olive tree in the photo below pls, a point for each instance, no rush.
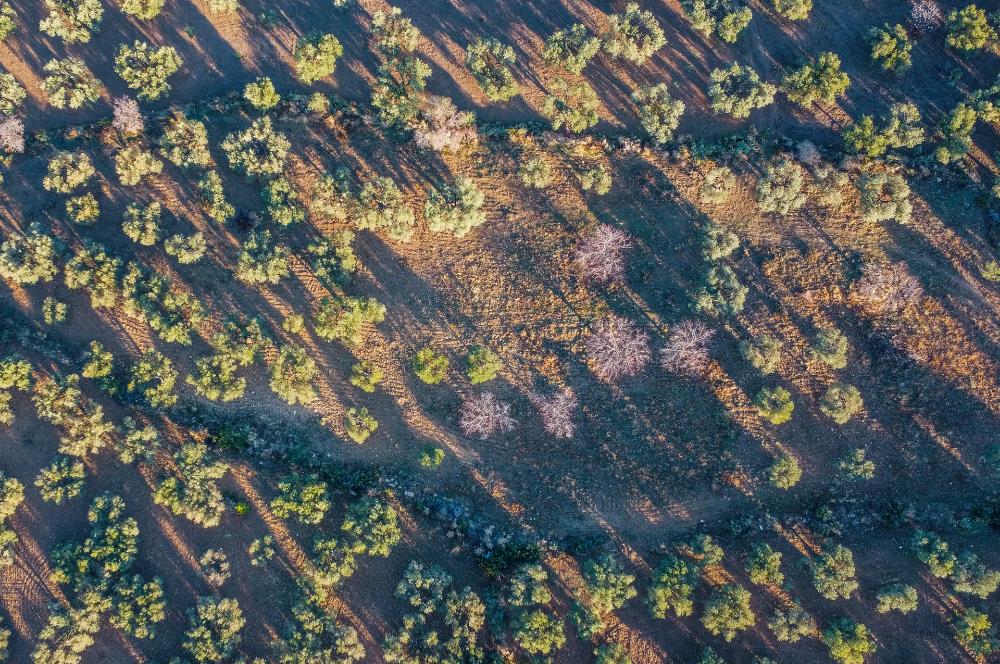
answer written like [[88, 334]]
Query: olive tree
[[455, 207], [634, 34], [780, 189], [145, 68], [885, 196], [261, 260], [833, 573], [490, 61], [721, 17], [969, 29], [292, 375], [659, 113], [571, 105], [12, 95], [316, 56], [29, 257], [257, 151], [73, 21], [727, 611], [571, 49], [144, 9], [891, 48], [819, 81], [738, 90]]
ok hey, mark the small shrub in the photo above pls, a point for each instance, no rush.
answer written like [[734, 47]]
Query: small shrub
[[597, 180], [431, 457], [214, 199], [718, 185], [53, 311], [856, 464], [763, 353]]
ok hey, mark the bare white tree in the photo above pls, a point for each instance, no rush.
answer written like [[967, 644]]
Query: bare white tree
[[127, 117], [601, 255], [443, 127], [12, 135], [887, 287], [926, 15], [686, 352], [617, 348], [484, 415], [556, 412]]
